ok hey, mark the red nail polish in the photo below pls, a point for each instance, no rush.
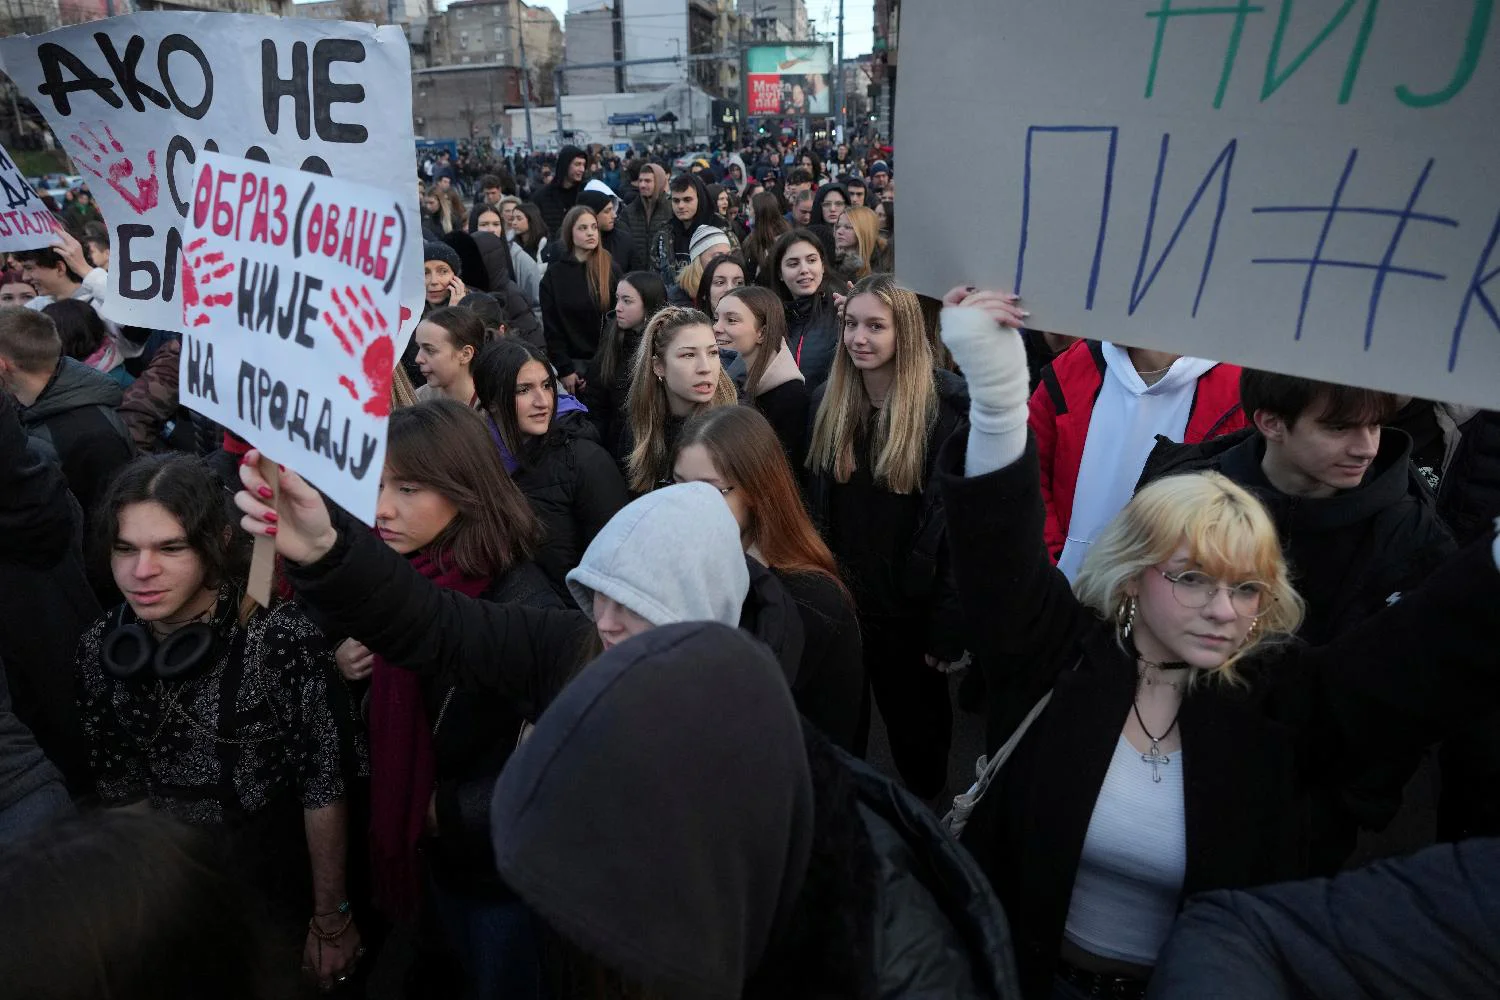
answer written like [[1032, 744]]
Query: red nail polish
[[265, 492], [270, 515], [270, 529]]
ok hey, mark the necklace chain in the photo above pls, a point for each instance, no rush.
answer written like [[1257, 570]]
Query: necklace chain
[[1154, 755]]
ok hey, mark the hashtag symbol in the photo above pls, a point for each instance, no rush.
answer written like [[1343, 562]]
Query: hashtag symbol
[[1382, 268]]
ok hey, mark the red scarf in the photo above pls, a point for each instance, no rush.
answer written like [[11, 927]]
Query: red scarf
[[403, 765]]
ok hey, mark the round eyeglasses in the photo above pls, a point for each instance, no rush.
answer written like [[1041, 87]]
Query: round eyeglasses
[[1249, 598]]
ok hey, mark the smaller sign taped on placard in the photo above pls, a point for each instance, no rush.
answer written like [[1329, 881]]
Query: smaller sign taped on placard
[[290, 310], [25, 221]]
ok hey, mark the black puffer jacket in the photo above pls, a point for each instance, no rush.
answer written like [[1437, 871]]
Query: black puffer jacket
[[812, 335], [474, 734], [574, 487]]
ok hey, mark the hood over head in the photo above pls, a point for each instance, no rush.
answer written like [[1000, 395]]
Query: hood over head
[[495, 253], [565, 156], [673, 555], [471, 269], [599, 186], [681, 751]]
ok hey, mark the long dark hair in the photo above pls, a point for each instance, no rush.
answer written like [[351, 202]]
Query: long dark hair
[[653, 292], [185, 488], [78, 325], [495, 372], [536, 228], [704, 299], [770, 223], [445, 446], [596, 264], [824, 295]]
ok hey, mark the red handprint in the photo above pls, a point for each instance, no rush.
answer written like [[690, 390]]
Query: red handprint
[[357, 314], [119, 172], [199, 272]]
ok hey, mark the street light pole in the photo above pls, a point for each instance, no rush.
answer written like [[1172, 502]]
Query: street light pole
[[838, 89], [525, 78]]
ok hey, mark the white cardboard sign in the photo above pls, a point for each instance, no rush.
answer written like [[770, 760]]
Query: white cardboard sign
[[1306, 186], [291, 291], [25, 221], [138, 100]]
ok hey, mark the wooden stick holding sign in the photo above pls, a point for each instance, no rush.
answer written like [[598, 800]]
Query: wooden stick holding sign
[[263, 555]]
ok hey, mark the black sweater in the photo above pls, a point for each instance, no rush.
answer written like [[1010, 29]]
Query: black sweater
[[1306, 715], [787, 409], [571, 320]]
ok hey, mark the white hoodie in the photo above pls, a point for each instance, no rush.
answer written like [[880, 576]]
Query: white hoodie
[[1127, 417]]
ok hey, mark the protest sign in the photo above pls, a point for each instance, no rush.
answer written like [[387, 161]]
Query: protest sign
[[137, 101], [1306, 187], [25, 221], [292, 285]]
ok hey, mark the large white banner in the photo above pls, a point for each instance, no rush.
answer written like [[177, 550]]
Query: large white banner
[[137, 101], [25, 221], [291, 281], [1307, 187]]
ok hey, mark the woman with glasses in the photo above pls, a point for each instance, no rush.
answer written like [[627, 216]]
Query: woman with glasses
[[1184, 730]]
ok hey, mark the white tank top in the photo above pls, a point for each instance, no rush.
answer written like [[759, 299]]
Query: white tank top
[[1134, 857]]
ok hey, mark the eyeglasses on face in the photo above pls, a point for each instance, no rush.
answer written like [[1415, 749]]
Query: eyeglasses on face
[[1249, 598]]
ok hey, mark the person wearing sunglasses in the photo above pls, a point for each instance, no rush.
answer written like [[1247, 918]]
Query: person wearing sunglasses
[[1186, 734]]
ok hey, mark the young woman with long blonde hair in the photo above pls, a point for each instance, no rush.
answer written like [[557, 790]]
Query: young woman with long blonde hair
[[860, 249], [1184, 739], [881, 417], [677, 374]]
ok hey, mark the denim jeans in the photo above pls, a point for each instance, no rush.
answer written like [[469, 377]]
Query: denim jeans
[[34, 811], [495, 941]]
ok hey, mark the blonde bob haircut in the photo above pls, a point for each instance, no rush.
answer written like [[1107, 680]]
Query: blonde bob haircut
[[899, 438], [1229, 536]]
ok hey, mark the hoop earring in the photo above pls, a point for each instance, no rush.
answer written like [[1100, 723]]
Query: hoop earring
[[1125, 618]]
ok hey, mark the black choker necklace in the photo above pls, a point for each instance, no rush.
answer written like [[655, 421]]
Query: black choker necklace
[[1135, 654]]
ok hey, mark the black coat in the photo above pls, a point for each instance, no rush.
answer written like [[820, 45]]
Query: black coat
[[45, 600], [608, 398], [830, 684], [574, 487], [474, 734], [1305, 716], [1424, 925], [571, 320], [788, 409], [921, 586], [1469, 498], [643, 229], [812, 325], [554, 202]]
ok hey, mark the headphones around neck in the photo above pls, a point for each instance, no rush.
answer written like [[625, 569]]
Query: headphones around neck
[[131, 651]]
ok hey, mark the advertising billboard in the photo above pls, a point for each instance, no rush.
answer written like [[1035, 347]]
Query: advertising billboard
[[789, 80]]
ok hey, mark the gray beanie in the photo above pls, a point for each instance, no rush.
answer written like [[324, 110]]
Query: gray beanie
[[706, 238]]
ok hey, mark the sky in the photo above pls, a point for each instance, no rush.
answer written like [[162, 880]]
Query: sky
[[859, 20]]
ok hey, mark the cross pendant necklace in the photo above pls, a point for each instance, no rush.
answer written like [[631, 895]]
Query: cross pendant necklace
[[1154, 757]]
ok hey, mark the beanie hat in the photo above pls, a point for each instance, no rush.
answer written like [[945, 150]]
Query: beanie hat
[[594, 201], [432, 250], [879, 167], [706, 238]]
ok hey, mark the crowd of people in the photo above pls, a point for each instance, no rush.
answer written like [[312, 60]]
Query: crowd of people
[[683, 488]]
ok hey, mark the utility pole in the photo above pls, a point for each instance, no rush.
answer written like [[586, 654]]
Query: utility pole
[[525, 76], [838, 89]]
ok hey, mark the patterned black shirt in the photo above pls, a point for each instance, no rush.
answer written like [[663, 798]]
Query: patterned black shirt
[[168, 742]]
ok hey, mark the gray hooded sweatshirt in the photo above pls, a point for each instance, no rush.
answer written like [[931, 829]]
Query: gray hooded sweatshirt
[[674, 555]]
